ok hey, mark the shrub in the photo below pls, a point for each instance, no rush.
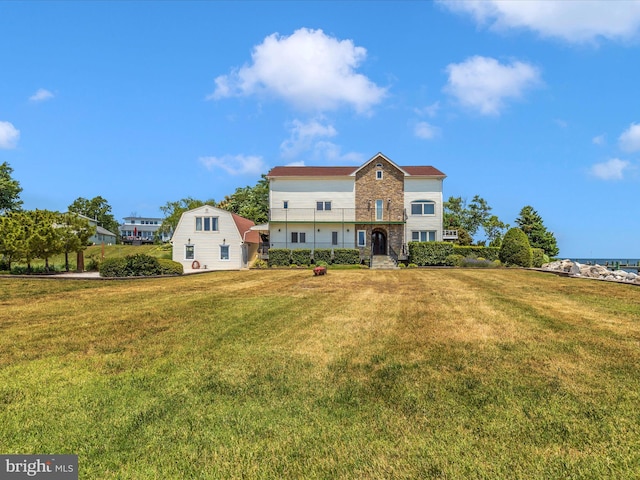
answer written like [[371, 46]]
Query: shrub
[[301, 256], [321, 263], [515, 249], [169, 267], [476, 263], [92, 264], [279, 257], [412, 265], [322, 255], [142, 265], [260, 264], [346, 256], [402, 265], [473, 251], [429, 253], [539, 257], [454, 260], [114, 267]]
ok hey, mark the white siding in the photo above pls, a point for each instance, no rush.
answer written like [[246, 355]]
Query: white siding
[[423, 189], [305, 192], [280, 235], [207, 244]]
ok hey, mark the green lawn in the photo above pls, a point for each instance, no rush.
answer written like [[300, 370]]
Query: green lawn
[[358, 374]]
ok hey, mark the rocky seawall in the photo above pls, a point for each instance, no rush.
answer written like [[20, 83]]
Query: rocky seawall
[[598, 272]]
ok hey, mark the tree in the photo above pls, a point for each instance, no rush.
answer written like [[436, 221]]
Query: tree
[[74, 234], [97, 209], [174, 210], [250, 202], [539, 237], [9, 190], [44, 240], [470, 218], [515, 249], [12, 237]]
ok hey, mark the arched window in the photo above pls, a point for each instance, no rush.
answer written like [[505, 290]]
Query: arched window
[[423, 207]]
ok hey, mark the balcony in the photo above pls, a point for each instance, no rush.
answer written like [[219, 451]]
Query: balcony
[[338, 215], [449, 235]]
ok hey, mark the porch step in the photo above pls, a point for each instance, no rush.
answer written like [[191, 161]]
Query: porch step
[[383, 262]]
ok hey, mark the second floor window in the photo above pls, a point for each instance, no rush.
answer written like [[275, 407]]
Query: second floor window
[[423, 207], [206, 224], [379, 209], [323, 206]]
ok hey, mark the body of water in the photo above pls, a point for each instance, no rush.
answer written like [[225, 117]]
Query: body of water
[[610, 263]]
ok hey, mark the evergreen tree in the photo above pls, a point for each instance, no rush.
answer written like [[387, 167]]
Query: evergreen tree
[[539, 237], [9, 190]]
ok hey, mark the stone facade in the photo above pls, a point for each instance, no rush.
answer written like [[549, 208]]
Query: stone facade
[[390, 189]]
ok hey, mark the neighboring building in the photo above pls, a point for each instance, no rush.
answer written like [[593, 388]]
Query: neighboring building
[[142, 230], [214, 239], [102, 235], [378, 207]]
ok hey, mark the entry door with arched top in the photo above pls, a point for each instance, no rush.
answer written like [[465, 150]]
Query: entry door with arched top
[[379, 243]]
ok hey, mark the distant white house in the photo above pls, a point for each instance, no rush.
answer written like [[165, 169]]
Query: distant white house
[[142, 230], [214, 239], [102, 235]]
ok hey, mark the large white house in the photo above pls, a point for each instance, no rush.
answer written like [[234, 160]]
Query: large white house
[[377, 207], [214, 239]]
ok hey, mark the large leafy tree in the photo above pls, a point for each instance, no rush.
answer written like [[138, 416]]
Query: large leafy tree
[[469, 218], [13, 236], [9, 190], [74, 234], [44, 240], [173, 211], [97, 209], [250, 202], [530, 222]]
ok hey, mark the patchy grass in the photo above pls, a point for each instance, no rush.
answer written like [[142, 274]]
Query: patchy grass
[[358, 374]]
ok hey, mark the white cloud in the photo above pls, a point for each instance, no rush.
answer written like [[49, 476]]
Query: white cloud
[[629, 140], [612, 169], [484, 84], [309, 69], [599, 140], [41, 95], [575, 21], [303, 137], [429, 110], [426, 131], [236, 164], [9, 135]]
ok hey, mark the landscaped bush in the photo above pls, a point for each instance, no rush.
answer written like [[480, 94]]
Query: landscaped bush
[[429, 253], [301, 256], [142, 265], [346, 256], [260, 264], [322, 263], [279, 257], [37, 270], [169, 267], [539, 257], [473, 251], [322, 255], [114, 267], [471, 262], [454, 260], [515, 249]]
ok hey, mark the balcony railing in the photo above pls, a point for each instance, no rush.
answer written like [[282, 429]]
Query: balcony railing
[[339, 215], [449, 235]]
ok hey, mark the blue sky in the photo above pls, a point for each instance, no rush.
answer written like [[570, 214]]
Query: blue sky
[[523, 103]]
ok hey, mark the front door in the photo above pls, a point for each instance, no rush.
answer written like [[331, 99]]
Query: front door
[[379, 243]]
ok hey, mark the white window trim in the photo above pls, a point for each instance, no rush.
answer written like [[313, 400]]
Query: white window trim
[[435, 235], [379, 175], [185, 251], [380, 210], [364, 237], [422, 203], [228, 254], [324, 205]]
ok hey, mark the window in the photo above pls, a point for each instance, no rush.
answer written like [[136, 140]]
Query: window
[[378, 174], [298, 237], [224, 252], [334, 238], [285, 204], [423, 236], [207, 224], [189, 252], [362, 238], [323, 206], [423, 207], [379, 208]]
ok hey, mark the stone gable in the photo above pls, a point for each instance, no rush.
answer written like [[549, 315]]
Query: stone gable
[[390, 189]]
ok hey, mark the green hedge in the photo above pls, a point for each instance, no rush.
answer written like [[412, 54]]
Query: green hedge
[[301, 256], [539, 257], [139, 265], [429, 253], [169, 267], [489, 253], [346, 256], [322, 255], [279, 257]]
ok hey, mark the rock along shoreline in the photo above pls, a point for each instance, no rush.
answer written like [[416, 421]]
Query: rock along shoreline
[[597, 272]]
